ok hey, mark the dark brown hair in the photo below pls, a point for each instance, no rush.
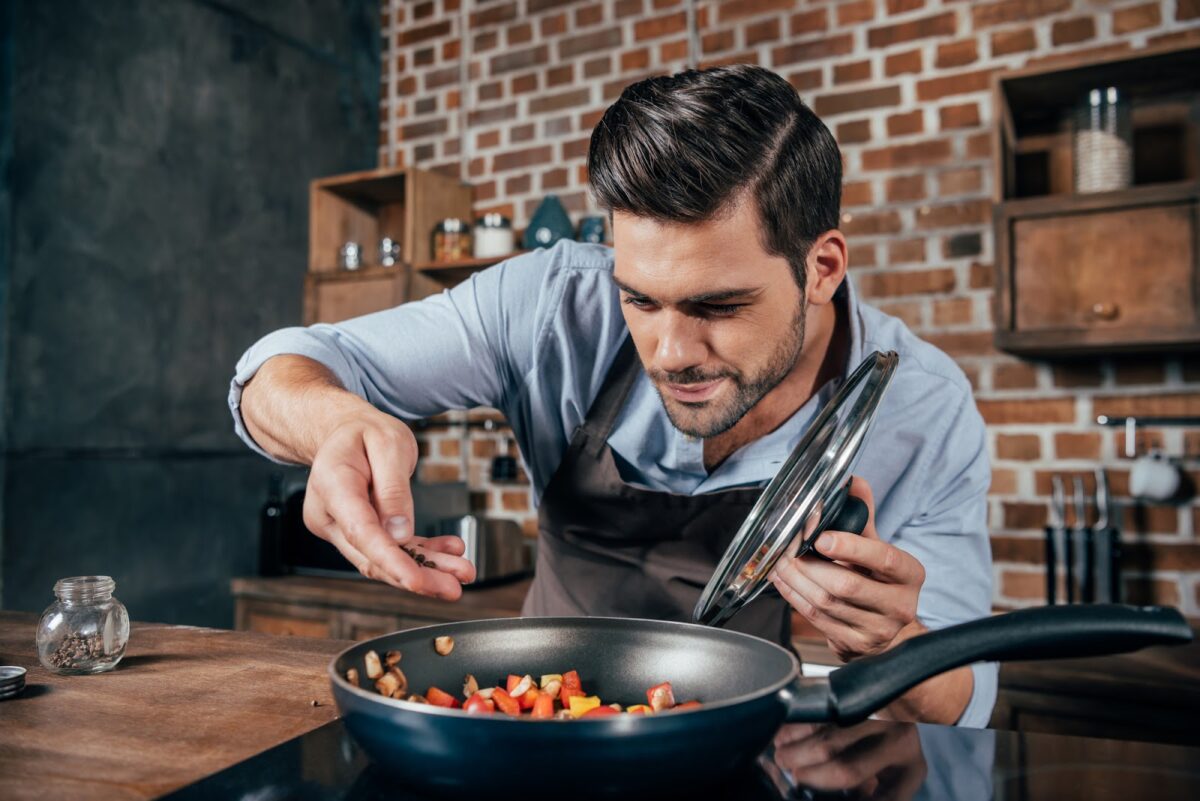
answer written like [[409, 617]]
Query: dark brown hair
[[686, 147]]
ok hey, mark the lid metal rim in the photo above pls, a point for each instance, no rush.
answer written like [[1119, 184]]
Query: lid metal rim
[[728, 590]]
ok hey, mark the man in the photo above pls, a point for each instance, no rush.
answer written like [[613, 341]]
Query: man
[[655, 388]]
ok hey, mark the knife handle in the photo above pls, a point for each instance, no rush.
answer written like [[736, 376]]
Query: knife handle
[[1051, 565]]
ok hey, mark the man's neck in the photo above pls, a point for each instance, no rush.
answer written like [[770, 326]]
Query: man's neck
[[822, 359]]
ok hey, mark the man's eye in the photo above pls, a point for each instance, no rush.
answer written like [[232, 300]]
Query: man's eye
[[719, 309], [639, 303]]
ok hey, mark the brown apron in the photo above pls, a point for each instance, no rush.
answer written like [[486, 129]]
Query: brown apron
[[609, 549]]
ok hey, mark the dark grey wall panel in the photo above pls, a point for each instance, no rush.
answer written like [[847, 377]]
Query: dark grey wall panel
[[171, 532], [162, 154]]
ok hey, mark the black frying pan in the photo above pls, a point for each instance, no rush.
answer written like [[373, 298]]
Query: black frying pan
[[748, 687]]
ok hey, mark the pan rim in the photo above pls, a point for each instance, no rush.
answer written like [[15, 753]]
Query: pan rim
[[340, 681]]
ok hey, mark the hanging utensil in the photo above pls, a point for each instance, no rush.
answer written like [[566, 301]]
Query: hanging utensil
[[809, 495], [1084, 556], [1055, 527], [1108, 543]]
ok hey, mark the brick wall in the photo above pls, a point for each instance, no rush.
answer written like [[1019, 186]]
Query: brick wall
[[505, 93]]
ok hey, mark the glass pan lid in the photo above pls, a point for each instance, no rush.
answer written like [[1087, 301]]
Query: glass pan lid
[[803, 493]]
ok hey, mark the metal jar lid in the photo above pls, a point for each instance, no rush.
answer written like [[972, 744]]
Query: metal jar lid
[[804, 495], [12, 681]]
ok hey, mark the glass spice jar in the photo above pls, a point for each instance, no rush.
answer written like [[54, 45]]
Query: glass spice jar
[[451, 240], [85, 630]]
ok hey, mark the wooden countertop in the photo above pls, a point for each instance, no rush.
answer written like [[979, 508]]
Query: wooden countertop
[[183, 703]]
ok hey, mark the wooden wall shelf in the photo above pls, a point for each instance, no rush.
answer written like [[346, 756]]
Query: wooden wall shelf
[[364, 207], [449, 273], [1109, 272]]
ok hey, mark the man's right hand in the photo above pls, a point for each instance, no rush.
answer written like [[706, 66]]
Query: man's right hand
[[359, 498]]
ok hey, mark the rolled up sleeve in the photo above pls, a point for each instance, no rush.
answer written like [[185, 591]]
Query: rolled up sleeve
[[463, 348]]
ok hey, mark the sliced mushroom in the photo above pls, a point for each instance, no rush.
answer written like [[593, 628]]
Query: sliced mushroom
[[374, 668], [352, 676], [400, 677], [524, 686], [470, 686], [399, 695], [553, 687], [387, 684], [443, 645], [617, 707], [563, 714], [391, 658], [486, 692], [417, 699]]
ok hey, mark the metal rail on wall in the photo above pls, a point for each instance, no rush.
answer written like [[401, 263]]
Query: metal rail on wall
[[1131, 424]]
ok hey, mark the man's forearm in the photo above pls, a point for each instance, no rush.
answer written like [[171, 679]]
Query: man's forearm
[[940, 699], [292, 403]]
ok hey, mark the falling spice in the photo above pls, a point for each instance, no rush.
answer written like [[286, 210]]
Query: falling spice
[[76, 650]]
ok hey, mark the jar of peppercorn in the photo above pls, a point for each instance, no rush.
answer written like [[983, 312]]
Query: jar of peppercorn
[[86, 629]]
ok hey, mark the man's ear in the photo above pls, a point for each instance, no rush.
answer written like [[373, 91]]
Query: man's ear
[[826, 265]]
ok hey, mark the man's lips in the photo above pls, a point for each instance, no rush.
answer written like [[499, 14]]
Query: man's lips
[[693, 393]]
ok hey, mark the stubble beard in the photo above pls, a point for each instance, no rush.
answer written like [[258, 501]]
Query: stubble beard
[[704, 420]]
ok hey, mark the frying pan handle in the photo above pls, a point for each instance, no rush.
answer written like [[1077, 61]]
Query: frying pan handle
[[1049, 632]]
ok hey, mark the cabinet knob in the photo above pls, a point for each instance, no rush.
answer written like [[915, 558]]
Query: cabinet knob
[[1105, 311]]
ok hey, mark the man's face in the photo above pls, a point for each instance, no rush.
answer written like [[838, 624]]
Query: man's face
[[717, 322]]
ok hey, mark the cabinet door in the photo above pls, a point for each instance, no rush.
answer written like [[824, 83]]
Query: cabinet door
[[364, 625], [289, 619], [1120, 270]]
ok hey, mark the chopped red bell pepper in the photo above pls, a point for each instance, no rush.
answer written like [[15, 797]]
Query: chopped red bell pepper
[[479, 705], [688, 705], [543, 707], [527, 700], [441, 698], [513, 681], [566, 693], [506, 703], [600, 712], [571, 679], [661, 696]]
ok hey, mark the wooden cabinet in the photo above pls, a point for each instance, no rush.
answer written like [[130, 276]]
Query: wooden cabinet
[[364, 207], [1109, 273], [354, 609], [1115, 271], [1151, 695]]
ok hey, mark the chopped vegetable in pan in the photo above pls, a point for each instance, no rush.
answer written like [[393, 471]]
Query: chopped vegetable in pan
[[556, 696]]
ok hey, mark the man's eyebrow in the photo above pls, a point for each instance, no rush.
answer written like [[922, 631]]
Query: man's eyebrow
[[704, 297]]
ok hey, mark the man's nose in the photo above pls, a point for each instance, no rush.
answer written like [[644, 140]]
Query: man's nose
[[680, 345]]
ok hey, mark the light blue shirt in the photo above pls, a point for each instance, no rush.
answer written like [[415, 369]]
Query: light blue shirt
[[534, 336]]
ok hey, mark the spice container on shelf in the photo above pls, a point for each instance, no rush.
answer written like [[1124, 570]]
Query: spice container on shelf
[[86, 629], [1103, 142], [451, 240], [494, 236], [389, 252], [351, 256]]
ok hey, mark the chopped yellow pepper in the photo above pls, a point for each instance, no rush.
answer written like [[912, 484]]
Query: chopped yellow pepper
[[581, 704], [636, 708]]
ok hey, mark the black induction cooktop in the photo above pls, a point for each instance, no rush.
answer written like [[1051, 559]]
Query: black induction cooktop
[[874, 759]]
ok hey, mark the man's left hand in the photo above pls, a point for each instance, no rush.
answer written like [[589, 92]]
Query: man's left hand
[[865, 600]]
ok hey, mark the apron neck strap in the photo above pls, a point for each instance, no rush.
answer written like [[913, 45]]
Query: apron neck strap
[[608, 403]]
